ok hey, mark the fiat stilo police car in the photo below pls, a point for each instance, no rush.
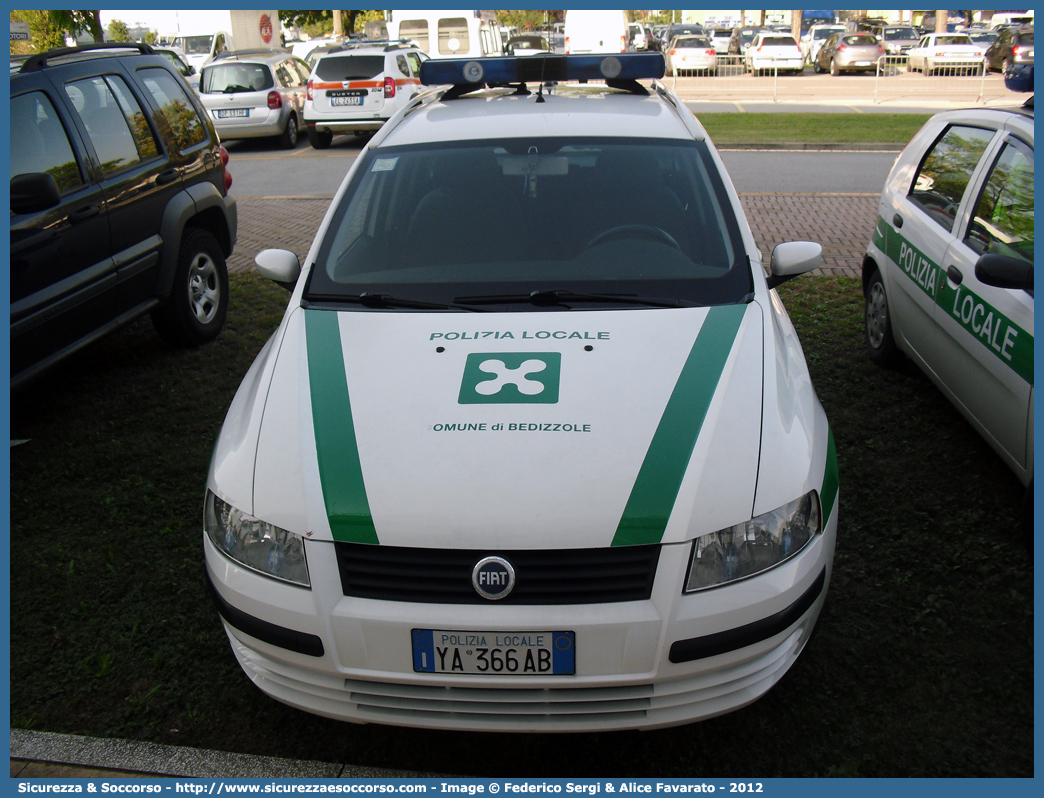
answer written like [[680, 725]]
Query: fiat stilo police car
[[534, 447]]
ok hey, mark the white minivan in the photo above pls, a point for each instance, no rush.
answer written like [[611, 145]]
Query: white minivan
[[449, 34], [588, 31]]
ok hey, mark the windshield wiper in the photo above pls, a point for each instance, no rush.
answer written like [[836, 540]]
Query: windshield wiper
[[372, 300], [549, 297]]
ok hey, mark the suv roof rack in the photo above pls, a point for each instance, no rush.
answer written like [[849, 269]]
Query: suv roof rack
[[250, 52], [38, 61]]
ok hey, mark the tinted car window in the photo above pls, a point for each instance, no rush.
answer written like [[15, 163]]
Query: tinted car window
[[235, 78], [39, 142], [779, 41], [114, 121], [1025, 37], [693, 42], [350, 67], [1003, 219], [860, 39], [891, 34], [175, 111], [946, 170], [440, 221]]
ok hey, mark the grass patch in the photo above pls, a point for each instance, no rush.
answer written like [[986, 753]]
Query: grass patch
[[737, 128], [923, 665]]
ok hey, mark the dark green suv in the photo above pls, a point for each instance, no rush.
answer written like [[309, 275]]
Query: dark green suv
[[119, 204]]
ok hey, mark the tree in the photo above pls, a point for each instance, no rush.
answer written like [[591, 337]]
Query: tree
[[43, 35], [76, 22], [118, 31], [322, 21]]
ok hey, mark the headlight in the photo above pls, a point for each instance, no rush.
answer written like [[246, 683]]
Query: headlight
[[258, 545], [754, 546]]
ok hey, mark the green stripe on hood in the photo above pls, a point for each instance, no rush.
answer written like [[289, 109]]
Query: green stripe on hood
[[336, 449], [659, 479]]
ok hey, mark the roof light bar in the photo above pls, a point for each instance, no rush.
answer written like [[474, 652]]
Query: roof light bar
[[536, 68]]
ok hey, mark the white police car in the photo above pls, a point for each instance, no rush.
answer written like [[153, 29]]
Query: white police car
[[535, 445], [948, 273]]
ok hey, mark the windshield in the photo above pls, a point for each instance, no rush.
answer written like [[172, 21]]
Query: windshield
[[233, 78], [194, 45], [892, 34], [646, 217]]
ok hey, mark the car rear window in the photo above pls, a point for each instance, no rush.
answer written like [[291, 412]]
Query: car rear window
[[824, 33], [693, 42], [234, 78], [433, 222], [891, 34], [952, 40], [350, 67], [859, 40], [779, 41], [1025, 38]]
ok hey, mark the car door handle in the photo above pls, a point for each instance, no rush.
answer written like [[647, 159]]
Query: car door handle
[[166, 177], [84, 213], [954, 274], [897, 220]]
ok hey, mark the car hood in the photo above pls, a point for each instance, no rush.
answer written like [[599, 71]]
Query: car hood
[[501, 430]]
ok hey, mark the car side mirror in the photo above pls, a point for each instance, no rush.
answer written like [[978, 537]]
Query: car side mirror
[[191, 70], [280, 266], [791, 259], [33, 192], [1004, 271]]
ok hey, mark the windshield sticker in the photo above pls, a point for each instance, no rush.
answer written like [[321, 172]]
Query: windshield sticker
[[384, 164]]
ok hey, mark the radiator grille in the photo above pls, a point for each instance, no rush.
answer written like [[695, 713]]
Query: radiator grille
[[443, 576]]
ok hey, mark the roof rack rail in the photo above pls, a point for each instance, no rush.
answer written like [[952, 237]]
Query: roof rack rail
[[38, 61], [249, 52]]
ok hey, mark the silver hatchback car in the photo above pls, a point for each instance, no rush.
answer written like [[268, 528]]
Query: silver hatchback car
[[254, 94]]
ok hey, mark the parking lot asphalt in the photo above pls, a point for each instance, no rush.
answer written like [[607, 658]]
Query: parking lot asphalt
[[842, 223]]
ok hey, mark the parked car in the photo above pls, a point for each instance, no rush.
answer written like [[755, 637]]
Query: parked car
[[527, 45], [255, 94], [119, 204], [897, 39], [848, 52], [720, 39], [948, 273], [181, 66], [944, 52], [636, 36], [775, 52], [359, 89], [741, 39], [814, 38], [400, 524], [691, 54], [1012, 46]]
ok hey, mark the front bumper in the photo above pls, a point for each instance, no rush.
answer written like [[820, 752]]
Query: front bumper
[[660, 662]]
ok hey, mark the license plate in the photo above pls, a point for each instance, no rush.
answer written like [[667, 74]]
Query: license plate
[[233, 112], [346, 101], [863, 63], [494, 653]]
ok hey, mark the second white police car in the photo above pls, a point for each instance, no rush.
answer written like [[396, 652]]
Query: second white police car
[[535, 445]]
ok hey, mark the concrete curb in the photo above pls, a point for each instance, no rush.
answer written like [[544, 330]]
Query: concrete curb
[[168, 761]]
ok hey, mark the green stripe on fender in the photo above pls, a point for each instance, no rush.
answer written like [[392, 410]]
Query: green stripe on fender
[[828, 495], [336, 449], [656, 488]]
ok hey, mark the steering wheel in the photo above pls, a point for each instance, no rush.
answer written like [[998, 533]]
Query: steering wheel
[[633, 231]]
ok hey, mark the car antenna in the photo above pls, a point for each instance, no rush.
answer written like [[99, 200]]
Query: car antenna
[[540, 88]]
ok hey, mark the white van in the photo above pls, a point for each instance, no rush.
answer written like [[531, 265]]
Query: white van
[[589, 31], [449, 34]]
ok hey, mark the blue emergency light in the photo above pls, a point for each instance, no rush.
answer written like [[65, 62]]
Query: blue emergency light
[[498, 71]]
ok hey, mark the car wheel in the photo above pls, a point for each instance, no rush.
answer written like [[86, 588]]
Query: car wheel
[[319, 141], [880, 343], [195, 311], [288, 139], [816, 67], [833, 68]]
